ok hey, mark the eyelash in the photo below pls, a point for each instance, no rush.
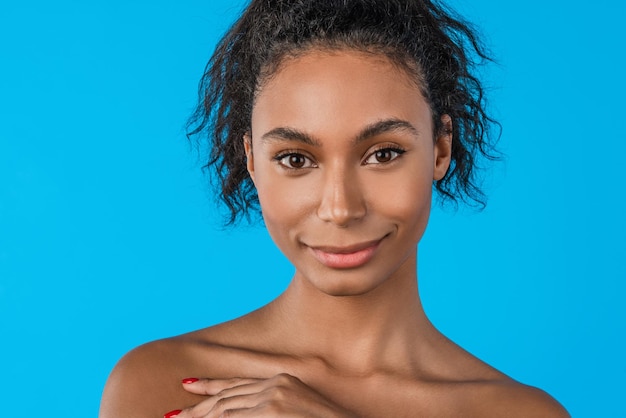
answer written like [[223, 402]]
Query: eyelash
[[399, 151], [289, 153], [278, 158]]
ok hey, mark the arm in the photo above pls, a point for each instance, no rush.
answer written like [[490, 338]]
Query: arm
[[145, 383]]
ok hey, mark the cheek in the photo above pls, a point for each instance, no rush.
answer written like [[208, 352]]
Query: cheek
[[405, 196], [284, 201]]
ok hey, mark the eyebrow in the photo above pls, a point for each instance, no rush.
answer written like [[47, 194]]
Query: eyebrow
[[290, 134], [377, 128], [385, 126]]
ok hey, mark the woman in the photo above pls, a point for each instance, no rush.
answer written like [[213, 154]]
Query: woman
[[336, 118]]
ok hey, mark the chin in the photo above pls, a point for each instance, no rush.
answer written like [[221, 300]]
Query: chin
[[345, 289], [348, 282]]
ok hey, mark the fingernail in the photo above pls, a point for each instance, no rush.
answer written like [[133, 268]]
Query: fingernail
[[172, 413], [190, 380]]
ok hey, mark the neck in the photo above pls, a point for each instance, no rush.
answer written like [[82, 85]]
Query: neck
[[381, 329]]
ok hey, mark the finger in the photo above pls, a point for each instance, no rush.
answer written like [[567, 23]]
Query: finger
[[214, 386], [268, 397], [226, 407], [216, 405], [244, 389], [262, 410]]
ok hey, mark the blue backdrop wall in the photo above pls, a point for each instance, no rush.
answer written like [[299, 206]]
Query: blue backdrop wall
[[109, 239]]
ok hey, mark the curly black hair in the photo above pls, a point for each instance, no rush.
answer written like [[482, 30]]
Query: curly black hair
[[436, 47]]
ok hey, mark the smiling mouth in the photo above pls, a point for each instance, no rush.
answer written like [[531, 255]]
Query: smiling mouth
[[346, 257]]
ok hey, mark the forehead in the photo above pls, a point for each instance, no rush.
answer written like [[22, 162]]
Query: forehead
[[303, 63], [337, 90]]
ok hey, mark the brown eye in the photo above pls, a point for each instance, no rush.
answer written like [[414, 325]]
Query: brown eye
[[384, 155], [294, 161]]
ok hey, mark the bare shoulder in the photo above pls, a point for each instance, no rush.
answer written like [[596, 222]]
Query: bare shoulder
[[480, 390], [508, 398], [146, 382]]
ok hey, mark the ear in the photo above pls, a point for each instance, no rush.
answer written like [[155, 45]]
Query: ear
[[247, 146], [443, 148]]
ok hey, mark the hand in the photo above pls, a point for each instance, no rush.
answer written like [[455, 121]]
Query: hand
[[280, 396]]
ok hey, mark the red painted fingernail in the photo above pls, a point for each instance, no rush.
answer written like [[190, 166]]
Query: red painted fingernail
[[172, 413], [190, 380]]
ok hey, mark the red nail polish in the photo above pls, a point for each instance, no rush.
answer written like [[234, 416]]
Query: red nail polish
[[172, 413], [190, 380]]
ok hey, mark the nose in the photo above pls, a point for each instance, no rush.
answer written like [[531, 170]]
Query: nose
[[342, 201]]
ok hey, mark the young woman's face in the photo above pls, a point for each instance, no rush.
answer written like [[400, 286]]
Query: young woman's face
[[343, 158]]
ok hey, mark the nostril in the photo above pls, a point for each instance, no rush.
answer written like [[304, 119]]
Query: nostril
[[342, 203]]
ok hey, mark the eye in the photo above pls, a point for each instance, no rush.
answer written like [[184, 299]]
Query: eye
[[294, 161], [384, 155]]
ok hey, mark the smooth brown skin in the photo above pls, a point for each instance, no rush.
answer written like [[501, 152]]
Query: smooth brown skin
[[338, 342]]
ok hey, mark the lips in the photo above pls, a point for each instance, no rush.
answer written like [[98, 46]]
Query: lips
[[347, 257]]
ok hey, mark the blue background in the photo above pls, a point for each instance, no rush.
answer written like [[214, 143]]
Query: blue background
[[109, 239]]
